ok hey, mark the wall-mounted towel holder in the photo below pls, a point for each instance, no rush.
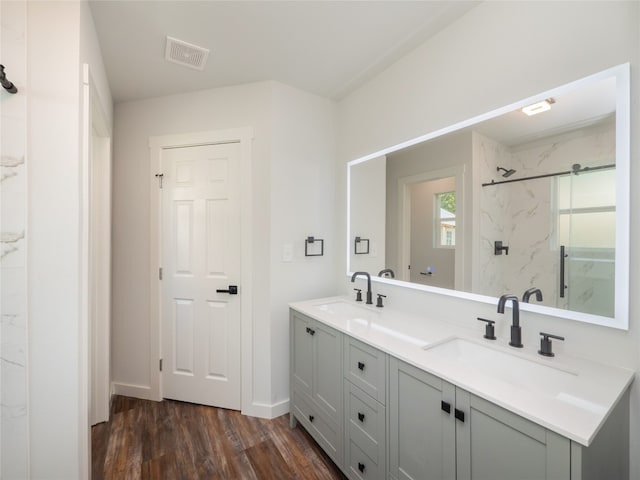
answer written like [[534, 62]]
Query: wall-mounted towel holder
[[498, 247], [361, 241], [311, 241]]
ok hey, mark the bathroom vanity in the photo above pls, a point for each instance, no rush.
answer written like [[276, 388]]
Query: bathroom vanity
[[391, 395]]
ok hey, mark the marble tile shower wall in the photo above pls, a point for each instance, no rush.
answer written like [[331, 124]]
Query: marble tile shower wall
[[520, 213], [13, 326], [494, 214]]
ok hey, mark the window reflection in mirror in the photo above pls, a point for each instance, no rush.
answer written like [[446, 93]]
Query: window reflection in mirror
[[536, 183]]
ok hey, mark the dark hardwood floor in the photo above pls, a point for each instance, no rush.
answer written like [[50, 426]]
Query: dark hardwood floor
[[174, 440]]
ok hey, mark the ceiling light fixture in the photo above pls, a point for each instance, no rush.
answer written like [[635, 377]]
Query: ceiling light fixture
[[539, 107]]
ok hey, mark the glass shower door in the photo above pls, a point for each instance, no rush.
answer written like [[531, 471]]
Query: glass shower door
[[586, 239]]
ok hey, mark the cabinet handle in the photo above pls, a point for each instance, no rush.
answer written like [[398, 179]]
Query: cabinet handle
[[361, 467], [459, 414], [446, 406], [361, 365], [311, 331], [311, 417], [361, 416]]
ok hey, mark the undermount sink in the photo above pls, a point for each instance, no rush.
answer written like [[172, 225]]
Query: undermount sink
[[361, 320], [501, 365], [347, 310], [358, 325]]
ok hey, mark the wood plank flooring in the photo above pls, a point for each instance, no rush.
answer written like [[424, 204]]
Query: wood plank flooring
[[172, 440]]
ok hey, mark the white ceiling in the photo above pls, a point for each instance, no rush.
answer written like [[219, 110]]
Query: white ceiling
[[576, 107], [324, 47]]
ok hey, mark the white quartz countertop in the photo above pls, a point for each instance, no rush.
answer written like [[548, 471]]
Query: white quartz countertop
[[568, 395]]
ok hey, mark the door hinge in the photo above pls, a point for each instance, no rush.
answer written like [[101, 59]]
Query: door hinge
[[160, 364], [159, 176], [160, 273]]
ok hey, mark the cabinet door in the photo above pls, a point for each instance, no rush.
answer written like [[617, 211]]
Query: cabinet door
[[493, 443], [327, 370], [422, 434], [301, 353]]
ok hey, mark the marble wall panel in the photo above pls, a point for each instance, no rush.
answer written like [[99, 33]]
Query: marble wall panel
[[13, 219], [522, 215]]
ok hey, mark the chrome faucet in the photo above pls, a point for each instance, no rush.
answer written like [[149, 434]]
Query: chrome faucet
[[527, 294], [516, 330], [369, 297]]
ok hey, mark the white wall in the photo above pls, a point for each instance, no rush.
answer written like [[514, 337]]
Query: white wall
[[368, 216], [53, 274], [134, 123], [425, 255], [55, 38], [433, 157], [291, 186], [302, 204], [498, 53]]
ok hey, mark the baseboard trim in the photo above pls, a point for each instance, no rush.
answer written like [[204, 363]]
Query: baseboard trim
[[263, 410], [135, 391], [260, 410]]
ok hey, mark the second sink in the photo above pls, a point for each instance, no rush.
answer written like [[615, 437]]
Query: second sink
[[502, 365]]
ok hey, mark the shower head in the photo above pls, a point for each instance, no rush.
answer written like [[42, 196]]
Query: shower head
[[507, 173]]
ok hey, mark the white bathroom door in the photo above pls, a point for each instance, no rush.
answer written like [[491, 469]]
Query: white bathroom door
[[200, 267]]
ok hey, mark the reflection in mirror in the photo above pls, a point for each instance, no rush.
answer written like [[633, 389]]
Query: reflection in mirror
[[508, 202]]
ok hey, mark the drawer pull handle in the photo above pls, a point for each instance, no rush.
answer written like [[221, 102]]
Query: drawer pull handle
[[361, 467], [361, 365], [459, 414], [361, 416], [311, 331], [446, 406], [311, 417]]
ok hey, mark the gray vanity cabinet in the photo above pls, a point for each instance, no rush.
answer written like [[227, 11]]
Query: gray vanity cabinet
[[494, 443], [365, 427], [316, 382], [421, 435], [378, 417], [440, 431]]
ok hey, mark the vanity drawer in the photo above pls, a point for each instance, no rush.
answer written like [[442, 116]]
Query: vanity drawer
[[365, 423], [360, 466], [322, 428], [366, 367]]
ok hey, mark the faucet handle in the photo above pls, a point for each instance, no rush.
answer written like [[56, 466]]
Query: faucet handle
[[379, 302], [358, 294], [545, 344], [489, 330]]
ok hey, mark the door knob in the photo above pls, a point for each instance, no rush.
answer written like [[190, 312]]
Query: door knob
[[233, 290]]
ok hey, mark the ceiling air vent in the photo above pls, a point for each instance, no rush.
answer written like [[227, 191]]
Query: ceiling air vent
[[186, 54]]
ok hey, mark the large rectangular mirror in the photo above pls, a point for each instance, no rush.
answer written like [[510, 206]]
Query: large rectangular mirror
[[534, 195]]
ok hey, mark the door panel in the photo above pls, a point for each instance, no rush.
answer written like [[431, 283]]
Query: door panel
[[201, 245], [422, 435], [518, 448], [183, 330]]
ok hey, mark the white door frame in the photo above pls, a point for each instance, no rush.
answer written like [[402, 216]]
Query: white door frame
[[404, 214], [244, 137], [95, 266]]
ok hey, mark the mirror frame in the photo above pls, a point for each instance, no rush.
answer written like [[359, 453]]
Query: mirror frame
[[620, 320]]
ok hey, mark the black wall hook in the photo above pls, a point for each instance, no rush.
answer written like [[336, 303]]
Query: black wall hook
[[8, 86]]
